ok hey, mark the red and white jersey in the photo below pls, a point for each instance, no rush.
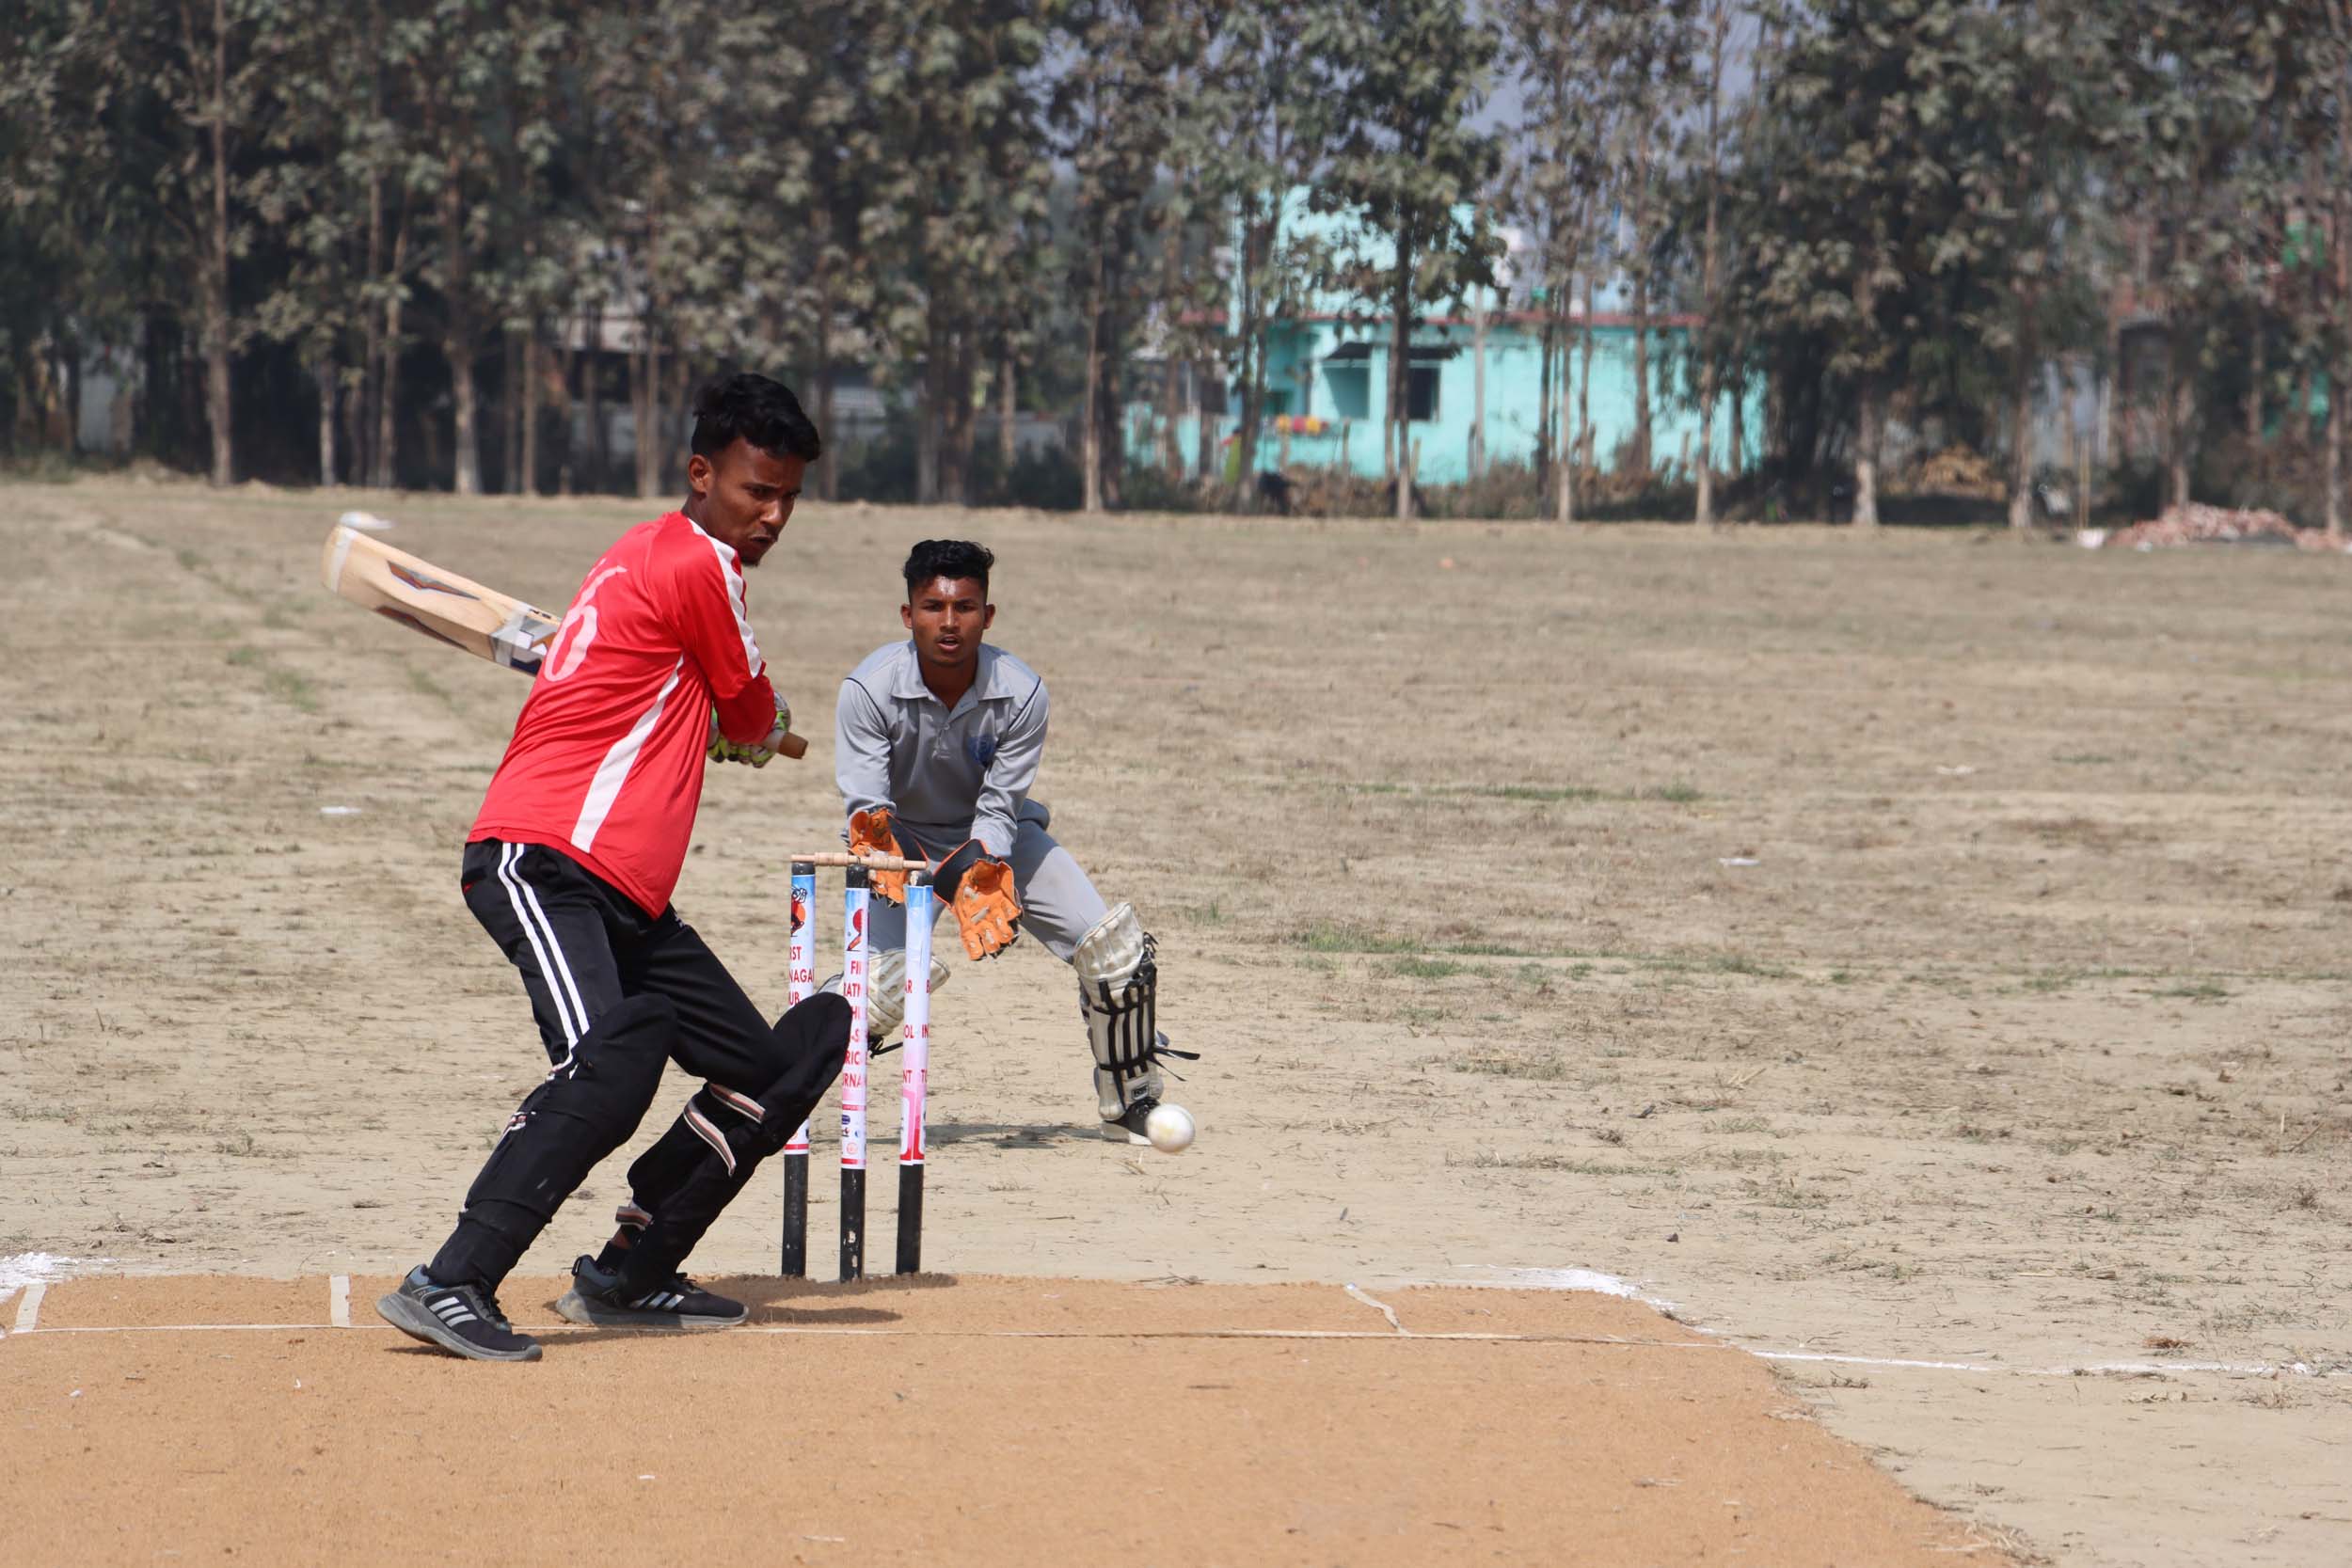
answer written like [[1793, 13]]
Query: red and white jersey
[[606, 764]]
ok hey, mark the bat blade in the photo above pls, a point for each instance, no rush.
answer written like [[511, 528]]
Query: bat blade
[[458, 611], [453, 610]]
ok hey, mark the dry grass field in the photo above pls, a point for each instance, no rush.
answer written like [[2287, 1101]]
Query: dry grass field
[[1923, 950]]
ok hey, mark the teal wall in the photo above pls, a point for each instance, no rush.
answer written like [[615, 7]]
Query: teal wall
[[1313, 371]]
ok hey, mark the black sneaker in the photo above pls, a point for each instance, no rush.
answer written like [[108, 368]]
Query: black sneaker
[[595, 1299], [463, 1320]]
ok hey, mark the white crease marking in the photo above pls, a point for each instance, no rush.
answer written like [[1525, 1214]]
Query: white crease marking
[[1383, 1307], [29, 1309], [339, 1300]]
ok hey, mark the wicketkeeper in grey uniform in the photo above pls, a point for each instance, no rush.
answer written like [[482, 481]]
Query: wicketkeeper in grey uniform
[[936, 743]]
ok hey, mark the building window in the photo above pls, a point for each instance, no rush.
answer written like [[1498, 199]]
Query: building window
[[1351, 390], [1421, 393]]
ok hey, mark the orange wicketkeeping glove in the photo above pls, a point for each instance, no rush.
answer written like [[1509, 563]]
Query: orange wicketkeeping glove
[[870, 833], [981, 889]]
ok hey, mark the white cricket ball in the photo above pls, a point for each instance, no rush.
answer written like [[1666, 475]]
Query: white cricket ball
[[1170, 1128]]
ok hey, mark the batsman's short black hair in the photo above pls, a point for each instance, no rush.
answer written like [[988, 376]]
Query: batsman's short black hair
[[751, 407], [952, 559]]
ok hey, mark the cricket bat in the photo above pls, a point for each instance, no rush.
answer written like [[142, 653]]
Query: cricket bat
[[457, 611]]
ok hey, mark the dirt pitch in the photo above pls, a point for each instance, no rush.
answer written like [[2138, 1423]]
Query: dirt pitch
[[1921, 961]]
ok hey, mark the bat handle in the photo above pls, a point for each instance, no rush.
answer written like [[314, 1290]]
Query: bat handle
[[792, 746]]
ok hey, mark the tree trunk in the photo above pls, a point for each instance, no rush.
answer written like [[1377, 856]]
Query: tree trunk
[[1564, 476], [1736, 416], [325, 373], [218, 405], [510, 416], [670, 425], [1641, 463], [599, 455], [460, 340], [829, 478], [1865, 459], [466, 446], [371, 387], [1091, 416], [526, 477], [1009, 413], [2340, 253], [1203, 436], [1478, 395], [2335, 471], [2082, 459], [1720, 25], [644, 406], [388, 375], [2021, 420], [1256, 240], [928, 418], [1548, 365], [2256, 448], [1173, 271], [1401, 375], [955, 431], [2179, 405], [1580, 450], [1111, 409], [353, 417]]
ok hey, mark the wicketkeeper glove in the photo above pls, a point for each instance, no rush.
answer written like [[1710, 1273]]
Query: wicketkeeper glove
[[759, 753], [871, 832], [981, 888]]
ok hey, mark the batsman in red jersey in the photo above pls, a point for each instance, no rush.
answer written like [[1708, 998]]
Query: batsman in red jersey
[[570, 866]]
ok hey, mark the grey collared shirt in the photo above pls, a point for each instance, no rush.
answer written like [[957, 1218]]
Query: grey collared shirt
[[944, 774]]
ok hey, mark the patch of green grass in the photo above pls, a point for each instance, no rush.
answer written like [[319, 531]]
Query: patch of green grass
[[1675, 794], [1489, 950], [421, 682], [2084, 758], [2202, 990], [293, 689], [1718, 963], [1737, 1124], [190, 560], [1535, 792], [1325, 936], [245, 656], [1784, 1192], [1542, 1070], [1565, 1164], [1423, 969]]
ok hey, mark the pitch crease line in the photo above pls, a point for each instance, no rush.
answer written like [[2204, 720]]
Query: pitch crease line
[[339, 1300], [29, 1309], [30, 1325]]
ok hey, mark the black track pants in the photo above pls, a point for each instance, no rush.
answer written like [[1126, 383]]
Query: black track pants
[[581, 947]]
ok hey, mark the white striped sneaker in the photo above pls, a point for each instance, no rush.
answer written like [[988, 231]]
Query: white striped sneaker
[[597, 1300], [463, 1320]]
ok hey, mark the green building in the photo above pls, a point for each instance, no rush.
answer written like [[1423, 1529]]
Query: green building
[[1327, 379]]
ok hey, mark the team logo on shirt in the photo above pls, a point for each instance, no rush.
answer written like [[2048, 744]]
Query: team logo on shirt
[[981, 749]]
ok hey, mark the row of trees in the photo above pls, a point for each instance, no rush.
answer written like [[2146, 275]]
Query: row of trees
[[1882, 212]]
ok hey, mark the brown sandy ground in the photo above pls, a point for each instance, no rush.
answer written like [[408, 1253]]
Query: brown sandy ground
[[966, 1421], [2019, 1046]]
